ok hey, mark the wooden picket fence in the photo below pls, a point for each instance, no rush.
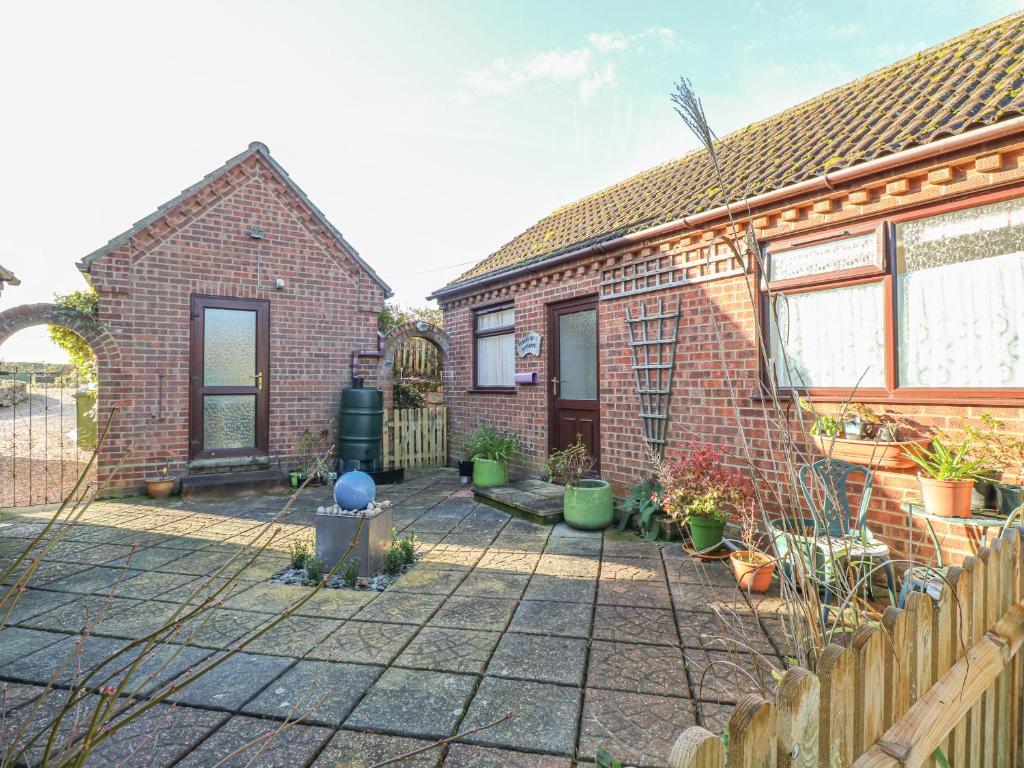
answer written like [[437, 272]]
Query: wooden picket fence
[[941, 674], [416, 437]]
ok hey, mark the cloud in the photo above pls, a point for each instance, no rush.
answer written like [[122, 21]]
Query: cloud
[[587, 69]]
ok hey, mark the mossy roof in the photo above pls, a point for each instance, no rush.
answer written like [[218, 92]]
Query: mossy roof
[[970, 81]]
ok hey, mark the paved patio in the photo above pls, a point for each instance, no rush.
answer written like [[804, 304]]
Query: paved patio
[[588, 640]]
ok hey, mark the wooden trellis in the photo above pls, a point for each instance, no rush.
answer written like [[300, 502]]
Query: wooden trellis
[[652, 345]]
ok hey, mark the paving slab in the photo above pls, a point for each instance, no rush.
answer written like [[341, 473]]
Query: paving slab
[[221, 628], [470, 756], [543, 719], [364, 642], [85, 611], [318, 692], [362, 750], [540, 658], [572, 566], [295, 636], [486, 583], [248, 742], [410, 702], [401, 608], [721, 676], [636, 728], [637, 668], [474, 613], [545, 617], [431, 581], [160, 737], [634, 624], [33, 602], [509, 561], [16, 643], [442, 649], [561, 589], [232, 683]]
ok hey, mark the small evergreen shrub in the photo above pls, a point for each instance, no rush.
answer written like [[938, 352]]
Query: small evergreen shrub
[[350, 573], [314, 570], [393, 560], [299, 553], [408, 548]]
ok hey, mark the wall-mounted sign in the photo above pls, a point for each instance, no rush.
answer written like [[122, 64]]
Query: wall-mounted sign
[[529, 344]]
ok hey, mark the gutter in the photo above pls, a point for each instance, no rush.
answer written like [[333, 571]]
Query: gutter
[[825, 181]]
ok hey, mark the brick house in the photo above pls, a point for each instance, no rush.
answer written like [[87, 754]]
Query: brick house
[[890, 218], [229, 321]]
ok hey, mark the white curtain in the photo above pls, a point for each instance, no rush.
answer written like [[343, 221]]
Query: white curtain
[[961, 324], [495, 361], [500, 319], [831, 338]]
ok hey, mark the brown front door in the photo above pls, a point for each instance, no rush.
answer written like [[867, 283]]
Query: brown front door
[[573, 387], [229, 408]]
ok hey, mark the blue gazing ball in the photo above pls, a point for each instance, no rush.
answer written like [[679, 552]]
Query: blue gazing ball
[[354, 490]]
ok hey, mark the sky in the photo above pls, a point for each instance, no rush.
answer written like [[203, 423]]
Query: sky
[[430, 132]]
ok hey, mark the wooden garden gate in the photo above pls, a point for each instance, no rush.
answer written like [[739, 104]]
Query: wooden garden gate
[[416, 437], [937, 683]]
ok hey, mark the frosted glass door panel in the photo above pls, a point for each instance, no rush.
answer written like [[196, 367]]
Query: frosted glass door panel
[[229, 421], [831, 338], [577, 355], [229, 347]]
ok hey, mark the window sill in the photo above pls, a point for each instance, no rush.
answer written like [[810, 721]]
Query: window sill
[[961, 397], [491, 391]]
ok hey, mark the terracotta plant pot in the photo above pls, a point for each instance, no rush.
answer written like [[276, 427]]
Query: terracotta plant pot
[[159, 489], [589, 505], [753, 570], [488, 473], [946, 498]]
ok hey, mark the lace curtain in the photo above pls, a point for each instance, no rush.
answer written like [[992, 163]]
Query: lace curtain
[[831, 338]]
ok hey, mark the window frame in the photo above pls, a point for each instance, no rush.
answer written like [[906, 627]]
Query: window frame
[[500, 331], [885, 225]]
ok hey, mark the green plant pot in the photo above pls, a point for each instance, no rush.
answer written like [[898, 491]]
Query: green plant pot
[[706, 533], [589, 506], [294, 479], [488, 473]]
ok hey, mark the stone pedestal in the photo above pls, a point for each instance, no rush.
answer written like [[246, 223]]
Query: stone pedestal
[[335, 533]]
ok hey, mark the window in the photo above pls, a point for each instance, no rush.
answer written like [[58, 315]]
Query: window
[[942, 316], [960, 298], [494, 335]]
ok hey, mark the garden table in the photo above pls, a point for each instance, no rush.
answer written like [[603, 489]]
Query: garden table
[[981, 520]]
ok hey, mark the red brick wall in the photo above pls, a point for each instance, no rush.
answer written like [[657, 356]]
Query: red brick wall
[[717, 357], [327, 309]]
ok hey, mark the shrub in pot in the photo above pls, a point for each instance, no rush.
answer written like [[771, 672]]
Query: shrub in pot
[[753, 569], [700, 491], [1001, 450], [947, 477], [491, 451], [586, 502]]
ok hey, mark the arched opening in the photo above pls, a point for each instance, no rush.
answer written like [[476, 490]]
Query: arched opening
[[414, 364], [49, 413]]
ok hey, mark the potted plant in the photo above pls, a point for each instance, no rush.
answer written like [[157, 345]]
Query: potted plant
[[948, 477], [160, 486], [643, 506], [465, 470], [753, 569], [883, 451], [491, 451], [699, 493], [586, 502], [1002, 451]]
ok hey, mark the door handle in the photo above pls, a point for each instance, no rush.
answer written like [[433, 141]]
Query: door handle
[[554, 386], [259, 380]]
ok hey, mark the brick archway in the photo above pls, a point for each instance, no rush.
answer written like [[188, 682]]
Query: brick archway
[[91, 330], [391, 341]]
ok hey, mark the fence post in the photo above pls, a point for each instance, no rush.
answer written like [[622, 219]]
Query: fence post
[[697, 748], [836, 674], [752, 734], [869, 647], [798, 707]]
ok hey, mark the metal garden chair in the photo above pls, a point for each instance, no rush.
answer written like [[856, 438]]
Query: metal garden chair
[[834, 536]]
